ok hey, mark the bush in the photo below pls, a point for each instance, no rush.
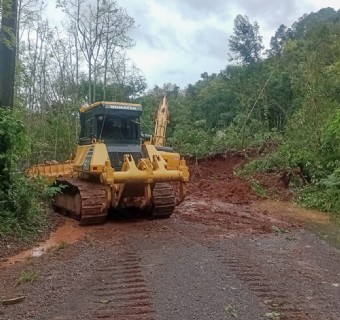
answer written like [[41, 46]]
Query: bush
[[324, 195], [330, 139], [22, 209]]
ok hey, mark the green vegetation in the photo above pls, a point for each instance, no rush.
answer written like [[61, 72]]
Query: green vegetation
[[273, 315], [287, 96], [258, 188], [27, 277], [62, 245], [22, 209], [231, 311]]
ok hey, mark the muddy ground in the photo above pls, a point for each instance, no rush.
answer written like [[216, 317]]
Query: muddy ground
[[224, 254]]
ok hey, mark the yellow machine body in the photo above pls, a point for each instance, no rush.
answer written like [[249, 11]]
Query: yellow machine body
[[95, 185]]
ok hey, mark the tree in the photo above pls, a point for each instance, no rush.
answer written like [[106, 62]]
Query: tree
[[8, 32], [277, 42], [245, 43], [101, 35], [7, 72]]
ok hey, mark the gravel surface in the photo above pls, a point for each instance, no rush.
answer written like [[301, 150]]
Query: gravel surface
[[167, 270], [217, 257]]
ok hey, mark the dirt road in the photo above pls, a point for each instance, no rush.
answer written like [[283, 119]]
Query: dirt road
[[222, 255]]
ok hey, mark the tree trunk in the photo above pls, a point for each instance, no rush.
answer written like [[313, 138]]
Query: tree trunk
[[7, 72], [8, 52]]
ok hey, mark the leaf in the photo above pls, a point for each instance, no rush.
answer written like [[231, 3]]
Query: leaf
[[273, 315], [231, 310], [279, 230]]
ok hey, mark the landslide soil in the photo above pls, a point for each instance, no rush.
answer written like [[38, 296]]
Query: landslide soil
[[224, 254]]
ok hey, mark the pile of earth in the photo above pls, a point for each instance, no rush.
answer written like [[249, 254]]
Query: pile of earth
[[220, 198]]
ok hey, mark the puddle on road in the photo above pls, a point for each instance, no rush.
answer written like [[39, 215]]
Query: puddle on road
[[292, 212], [329, 232], [320, 223], [69, 233]]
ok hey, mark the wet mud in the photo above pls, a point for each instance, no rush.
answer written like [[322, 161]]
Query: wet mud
[[66, 234], [224, 252]]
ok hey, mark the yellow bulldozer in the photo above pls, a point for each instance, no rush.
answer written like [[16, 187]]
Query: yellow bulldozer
[[115, 168]]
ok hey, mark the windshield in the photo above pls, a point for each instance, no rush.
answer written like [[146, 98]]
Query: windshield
[[118, 128]]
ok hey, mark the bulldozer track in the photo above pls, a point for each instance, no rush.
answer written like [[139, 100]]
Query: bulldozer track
[[164, 201], [82, 200], [273, 292], [121, 291], [276, 298]]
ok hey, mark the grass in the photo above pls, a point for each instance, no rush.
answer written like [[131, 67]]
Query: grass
[[62, 245], [258, 188], [27, 276]]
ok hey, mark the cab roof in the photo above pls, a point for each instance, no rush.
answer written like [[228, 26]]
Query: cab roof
[[113, 105]]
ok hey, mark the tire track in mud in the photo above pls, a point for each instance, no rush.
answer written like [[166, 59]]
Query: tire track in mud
[[276, 295], [120, 290], [275, 298]]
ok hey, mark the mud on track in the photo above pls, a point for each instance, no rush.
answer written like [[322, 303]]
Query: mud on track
[[222, 253]]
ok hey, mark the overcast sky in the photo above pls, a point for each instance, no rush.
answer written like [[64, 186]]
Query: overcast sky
[[178, 40]]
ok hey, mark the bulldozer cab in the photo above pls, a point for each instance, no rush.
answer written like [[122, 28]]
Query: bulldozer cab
[[112, 169], [117, 128], [111, 122]]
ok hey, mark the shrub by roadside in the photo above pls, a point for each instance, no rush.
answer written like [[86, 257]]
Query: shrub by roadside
[[22, 200]]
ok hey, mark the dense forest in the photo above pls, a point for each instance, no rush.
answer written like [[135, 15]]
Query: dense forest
[[286, 96]]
